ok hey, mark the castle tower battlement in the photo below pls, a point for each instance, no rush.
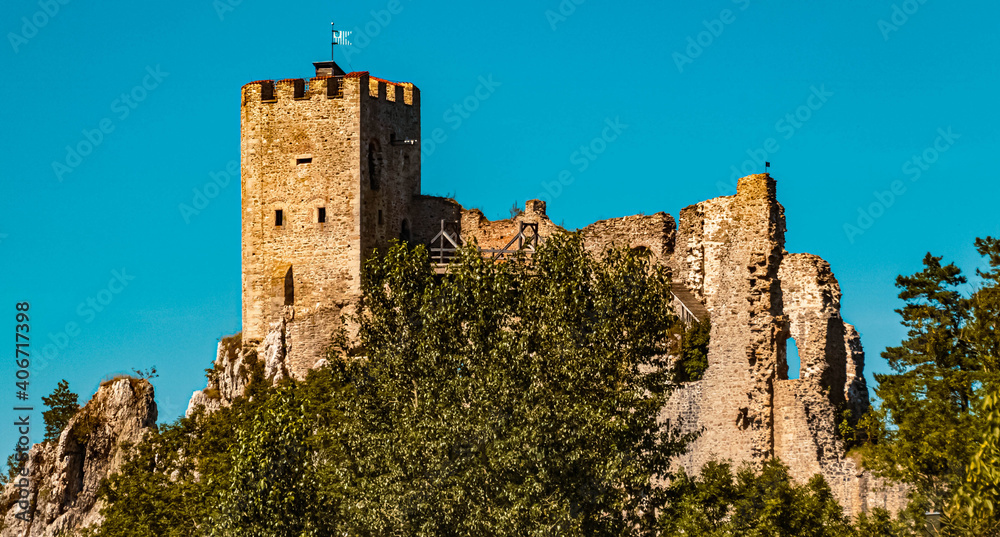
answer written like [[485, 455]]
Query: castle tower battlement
[[329, 173]]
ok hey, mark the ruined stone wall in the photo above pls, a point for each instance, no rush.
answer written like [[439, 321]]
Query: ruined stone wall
[[655, 233], [856, 390], [702, 239], [305, 147], [745, 305], [729, 253], [806, 408], [812, 307], [683, 411], [804, 439], [429, 212], [494, 235]]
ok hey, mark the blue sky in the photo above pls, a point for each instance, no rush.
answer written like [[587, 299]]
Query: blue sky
[[839, 96]]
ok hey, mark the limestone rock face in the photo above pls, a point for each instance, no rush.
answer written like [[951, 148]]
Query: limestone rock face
[[228, 379], [274, 352], [232, 369], [65, 475]]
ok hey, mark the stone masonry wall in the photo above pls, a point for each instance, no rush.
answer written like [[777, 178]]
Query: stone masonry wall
[[387, 199], [683, 411], [703, 236], [655, 233], [496, 234], [429, 211], [305, 146], [812, 306], [806, 408], [856, 390], [745, 306]]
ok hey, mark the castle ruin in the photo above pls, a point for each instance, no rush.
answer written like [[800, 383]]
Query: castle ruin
[[331, 172]]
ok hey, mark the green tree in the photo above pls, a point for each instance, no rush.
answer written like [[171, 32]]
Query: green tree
[[504, 398], [273, 483], [62, 405], [974, 508], [693, 356], [508, 398], [761, 502], [928, 404], [261, 466]]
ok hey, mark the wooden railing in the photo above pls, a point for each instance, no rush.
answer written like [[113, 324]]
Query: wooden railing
[[445, 245]]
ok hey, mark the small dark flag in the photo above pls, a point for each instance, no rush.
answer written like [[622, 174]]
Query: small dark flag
[[767, 164]]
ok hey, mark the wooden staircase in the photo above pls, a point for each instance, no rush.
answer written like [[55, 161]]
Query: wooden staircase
[[689, 308]]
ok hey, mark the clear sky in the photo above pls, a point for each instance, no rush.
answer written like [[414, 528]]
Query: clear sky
[[839, 96]]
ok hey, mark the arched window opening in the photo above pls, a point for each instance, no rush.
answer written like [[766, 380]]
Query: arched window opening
[[374, 165], [404, 233], [289, 288]]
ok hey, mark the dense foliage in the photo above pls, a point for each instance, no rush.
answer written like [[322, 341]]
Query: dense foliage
[[500, 398], [764, 502], [693, 354], [509, 398], [932, 409]]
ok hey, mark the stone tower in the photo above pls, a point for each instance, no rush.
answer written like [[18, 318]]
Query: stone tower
[[330, 168]]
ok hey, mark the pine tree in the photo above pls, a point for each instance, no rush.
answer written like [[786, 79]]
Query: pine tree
[[929, 413], [62, 407]]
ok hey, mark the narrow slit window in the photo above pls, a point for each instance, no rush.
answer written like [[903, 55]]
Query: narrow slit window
[[380, 217], [321, 215], [289, 288], [374, 165], [279, 217], [304, 160]]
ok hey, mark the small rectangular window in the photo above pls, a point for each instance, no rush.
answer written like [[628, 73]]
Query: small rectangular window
[[305, 160], [321, 214], [380, 217], [279, 217]]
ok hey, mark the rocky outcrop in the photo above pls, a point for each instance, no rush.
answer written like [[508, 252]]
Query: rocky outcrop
[[274, 352], [64, 476], [232, 369], [228, 377]]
